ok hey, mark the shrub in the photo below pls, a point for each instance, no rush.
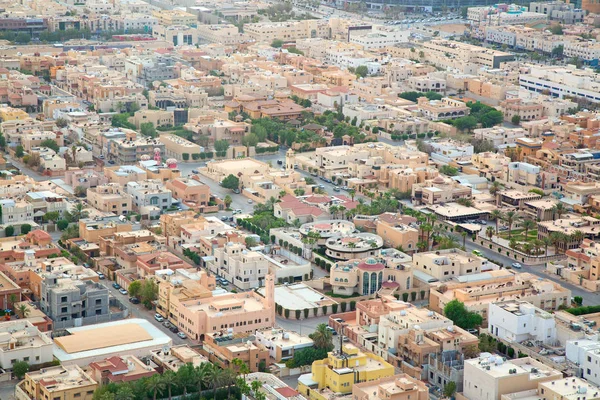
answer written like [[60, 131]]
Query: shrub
[[315, 311], [62, 224], [195, 156], [286, 312], [352, 305], [510, 352], [343, 307], [324, 310], [25, 229], [413, 296], [298, 313], [306, 311], [334, 308], [9, 231], [422, 294], [405, 297]]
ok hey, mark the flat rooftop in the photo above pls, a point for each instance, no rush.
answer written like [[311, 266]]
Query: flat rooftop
[[299, 296], [62, 377]]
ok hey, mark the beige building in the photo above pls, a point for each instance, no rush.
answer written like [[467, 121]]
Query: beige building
[[156, 117], [174, 17], [224, 34], [398, 231], [490, 377], [397, 387], [61, 382], [110, 198], [179, 35], [179, 148], [445, 108], [444, 265], [287, 31]]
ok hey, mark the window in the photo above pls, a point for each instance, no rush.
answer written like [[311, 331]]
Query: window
[[63, 309], [63, 299]]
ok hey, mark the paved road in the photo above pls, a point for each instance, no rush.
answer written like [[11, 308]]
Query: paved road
[[139, 311]]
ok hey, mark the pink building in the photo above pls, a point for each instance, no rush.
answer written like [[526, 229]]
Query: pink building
[[240, 312]]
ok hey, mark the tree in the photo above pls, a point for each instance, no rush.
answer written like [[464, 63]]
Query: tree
[[496, 215], [169, 379], [227, 200], [448, 170], [463, 318], [450, 389], [214, 379], [23, 311], [277, 43], [25, 229], [556, 29], [19, 151], [361, 71], [148, 129], [322, 337], [221, 147], [51, 216], [77, 212], [231, 182], [135, 288], [155, 384], [62, 224], [510, 217], [494, 188], [51, 144], [250, 140], [465, 123], [489, 232], [516, 119], [527, 224], [9, 231], [20, 368], [61, 122], [558, 210], [148, 292]]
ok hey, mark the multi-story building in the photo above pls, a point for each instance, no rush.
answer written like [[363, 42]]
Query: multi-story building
[[447, 264], [179, 148], [341, 370], [179, 35], [397, 387], [110, 198], [61, 382], [223, 347], [438, 191], [562, 81], [128, 152], [445, 108], [149, 193], [282, 344], [120, 369], [490, 377], [476, 295], [390, 270], [245, 268], [288, 31], [517, 321], [65, 299], [21, 341]]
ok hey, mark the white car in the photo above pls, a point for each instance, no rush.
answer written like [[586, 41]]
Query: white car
[[158, 317], [516, 265]]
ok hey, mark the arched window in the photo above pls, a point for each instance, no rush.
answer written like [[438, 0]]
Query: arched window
[[365, 289], [153, 200], [373, 282], [380, 280]]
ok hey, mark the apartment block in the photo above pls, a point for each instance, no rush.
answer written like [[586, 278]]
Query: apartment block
[[20, 341], [62, 382], [65, 299], [110, 198], [245, 268], [397, 387], [282, 344], [149, 193], [517, 321]]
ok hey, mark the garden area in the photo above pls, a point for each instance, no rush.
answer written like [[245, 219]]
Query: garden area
[[520, 235]]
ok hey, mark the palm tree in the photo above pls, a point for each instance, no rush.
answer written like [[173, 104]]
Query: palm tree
[[512, 244], [546, 241], [557, 238], [527, 247], [464, 237], [558, 209], [155, 384], [77, 213], [527, 224], [169, 379], [201, 375], [213, 379], [125, 392], [241, 365], [322, 337], [12, 299], [186, 377], [341, 210], [489, 232], [510, 217], [227, 200], [426, 229], [496, 215], [448, 242], [282, 193], [495, 187], [228, 378], [577, 236], [23, 311], [537, 245], [333, 210], [352, 193], [422, 246]]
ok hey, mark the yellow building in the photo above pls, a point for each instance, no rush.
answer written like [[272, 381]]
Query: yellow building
[[61, 382], [12, 114], [174, 17], [340, 371]]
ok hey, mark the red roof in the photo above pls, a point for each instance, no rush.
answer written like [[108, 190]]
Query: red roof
[[287, 392], [390, 284], [319, 199], [370, 267]]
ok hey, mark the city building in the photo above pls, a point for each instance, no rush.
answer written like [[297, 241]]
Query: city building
[[246, 269], [60, 382], [282, 344], [518, 321], [21, 341], [120, 369], [397, 387], [444, 265]]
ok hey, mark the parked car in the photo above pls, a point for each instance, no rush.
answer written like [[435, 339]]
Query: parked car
[[236, 191], [181, 335], [167, 324], [123, 292], [516, 265], [224, 218], [116, 285], [134, 300], [158, 317], [237, 211], [101, 275], [477, 253], [336, 189], [111, 162], [280, 162], [195, 171], [174, 329], [249, 201]]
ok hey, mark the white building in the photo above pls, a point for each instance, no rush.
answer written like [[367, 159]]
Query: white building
[[282, 344], [517, 321], [562, 81], [149, 193], [246, 269], [21, 341], [586, 354]]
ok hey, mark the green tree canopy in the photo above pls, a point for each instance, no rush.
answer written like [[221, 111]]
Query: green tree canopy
[[20, 368], [361, 71], [463, 318], [51, 144], [148, 129], [231, 182], [277, 43]]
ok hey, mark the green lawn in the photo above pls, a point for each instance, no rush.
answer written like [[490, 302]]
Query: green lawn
[[519, 235]]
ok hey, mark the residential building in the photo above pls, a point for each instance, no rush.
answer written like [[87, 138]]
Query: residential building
[[149, 193], [490, 377], [92, 230], [223, 347], [62, 382], [110, 198], [397, 387], [518, 321], [353, 246], [439, 191], [190, 191], [282, 344], [478, 291], [120, 369], [21, 341], [447, 264], [179, 35], [179, 148], [65, 299], [173, 358], [341, 370], [156, 263], [246, 269]]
